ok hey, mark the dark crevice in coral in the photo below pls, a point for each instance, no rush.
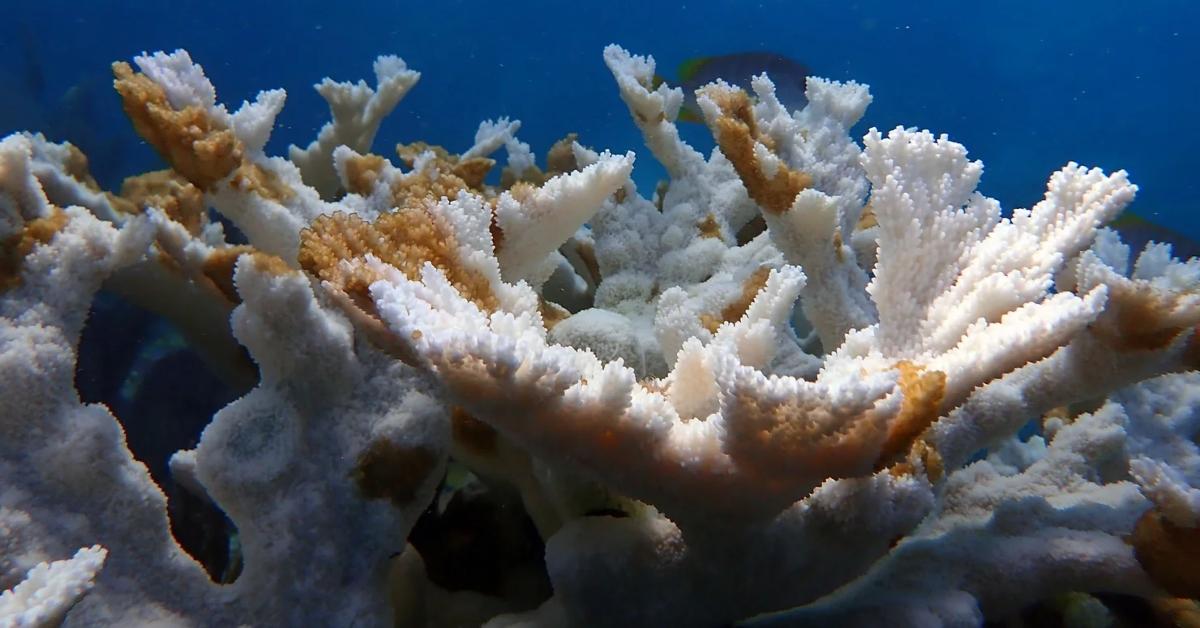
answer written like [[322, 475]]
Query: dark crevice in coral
[[615, 513], [478, 537], [164, 395], [1124, 611], [204, 532], [233, 235]]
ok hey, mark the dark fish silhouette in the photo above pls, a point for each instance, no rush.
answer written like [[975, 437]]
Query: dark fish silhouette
[[1137, 230], [737, 69]]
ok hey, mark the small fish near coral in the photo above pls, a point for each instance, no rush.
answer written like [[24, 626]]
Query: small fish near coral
[[738, 69]]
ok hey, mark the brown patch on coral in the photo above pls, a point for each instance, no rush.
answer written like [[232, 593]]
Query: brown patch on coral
[[920, 455], [660, 194], [218, 268], [495, 230], [751, 230], [405, 239], [1142, 318], [373, 329], [509, 177], [866, 219], [14, 248], [390, 470], [471, 434], [1168, 553], [552, 313], [587, 253], [1059, 412], [362, 173], [181, 201], [1191, 352], [709, 227], [250, 177], [522, 191], [408, 153], [658, 119], [430, 183], [561, 158], [930, 459], [1062, 413], [923, 392], [736, 132], [196, 146], [270, 264], [76, 166], [1175, 612], [653, 384], [820, 440], [121, 205], [473, 171], [901, 469], [736, 309], [466, 173]]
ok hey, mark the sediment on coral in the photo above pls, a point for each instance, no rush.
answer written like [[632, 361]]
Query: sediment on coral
[[785, 388]]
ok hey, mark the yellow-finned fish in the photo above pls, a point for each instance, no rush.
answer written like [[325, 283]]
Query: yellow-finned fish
[[1136, 230], [737, 69]]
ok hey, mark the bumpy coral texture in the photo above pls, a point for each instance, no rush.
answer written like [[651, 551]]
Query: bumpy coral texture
[[784, 389]]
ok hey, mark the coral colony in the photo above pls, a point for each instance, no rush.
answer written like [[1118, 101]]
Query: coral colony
[[784, 388]]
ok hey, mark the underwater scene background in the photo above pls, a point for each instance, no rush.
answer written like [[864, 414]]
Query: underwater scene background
[[1026, 86]]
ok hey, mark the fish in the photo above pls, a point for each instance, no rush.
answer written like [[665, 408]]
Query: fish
[[737, 69], [1136, 231]]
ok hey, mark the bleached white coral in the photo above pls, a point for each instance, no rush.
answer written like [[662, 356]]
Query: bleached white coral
[[1003, 538], [965, 301], [51, 589], [357, 112], [308, 439], [1165, 459]]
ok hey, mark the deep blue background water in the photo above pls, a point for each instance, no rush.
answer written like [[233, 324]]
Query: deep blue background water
[[1026, 86]]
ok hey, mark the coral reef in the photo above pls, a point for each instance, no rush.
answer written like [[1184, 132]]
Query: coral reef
[[785, 389]]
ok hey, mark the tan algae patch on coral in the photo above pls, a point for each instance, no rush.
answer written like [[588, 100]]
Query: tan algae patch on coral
[[473, 171], [199, 148], [468, 173], [923, 393], [471, 434], [1169, 554], [427, 184], [202, 150], [736, 309], [362, 173], [709, 227], [218, 268], [560, 159], [1140, 317], [405, 239], [736, 132], [14, 248], [394, 471], [181, 201], [251, 177], [552, 313], [922, 455]]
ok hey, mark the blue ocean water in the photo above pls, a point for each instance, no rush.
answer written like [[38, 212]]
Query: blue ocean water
[[1026, 86]]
